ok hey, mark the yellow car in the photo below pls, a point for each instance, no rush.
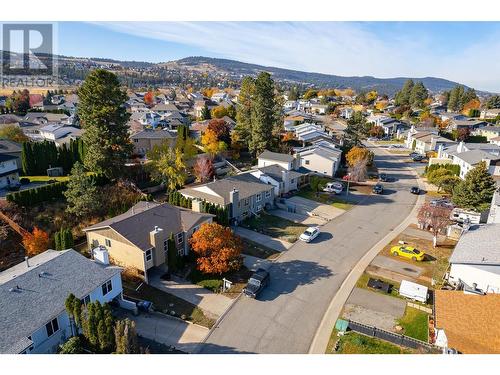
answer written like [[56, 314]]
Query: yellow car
[[408, 252]]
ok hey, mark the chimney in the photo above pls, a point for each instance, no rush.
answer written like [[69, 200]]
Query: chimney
[[196, 205], [234, 198], [285, 176], [461, 147], [26, 259], [440, 150]]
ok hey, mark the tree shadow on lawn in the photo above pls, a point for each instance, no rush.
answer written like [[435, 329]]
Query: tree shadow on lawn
[[287, 276]]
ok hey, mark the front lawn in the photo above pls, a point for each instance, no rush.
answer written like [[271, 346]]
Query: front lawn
[[214, 282], [325, 198], [415, 324], [46, 178], [257, 250], [356, 343], [274, 226], [166, 303]]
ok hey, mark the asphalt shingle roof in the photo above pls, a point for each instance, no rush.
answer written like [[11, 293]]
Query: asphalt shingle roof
[[276, 156], [154, 134], [30, 297], [136, 224], [479, 245]]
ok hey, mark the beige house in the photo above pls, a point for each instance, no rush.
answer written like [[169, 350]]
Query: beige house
[[145, 140], [139, 237]]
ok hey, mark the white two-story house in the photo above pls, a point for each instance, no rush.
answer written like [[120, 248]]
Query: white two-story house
[[9, 171]]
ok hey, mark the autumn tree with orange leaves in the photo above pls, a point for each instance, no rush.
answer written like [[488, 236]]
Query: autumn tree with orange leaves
[[217, 249], [149, 98], [36, 242]]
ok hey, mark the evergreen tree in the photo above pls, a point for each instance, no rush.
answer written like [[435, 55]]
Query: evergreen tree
[[81, 192], [418, 94], [355, 131], [126, 337], [57, 240], [476, 191], [205, 113], [403, 96], [104, 119], [263, 116], [244, 110]]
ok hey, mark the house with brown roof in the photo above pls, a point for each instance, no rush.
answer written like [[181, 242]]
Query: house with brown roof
[[466, 322], [138, 238]]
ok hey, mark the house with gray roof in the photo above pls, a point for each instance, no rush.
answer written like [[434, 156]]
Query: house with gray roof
[[145, 140], [11, 148], [244, 195], [475, 262], [284, 181], [9, 170], [138, 238], [33, 317]]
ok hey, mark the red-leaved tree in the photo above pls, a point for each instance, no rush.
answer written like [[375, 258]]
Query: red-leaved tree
[[204, 169], [434, 218]]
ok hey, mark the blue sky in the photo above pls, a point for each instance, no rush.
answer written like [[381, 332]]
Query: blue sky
[[467, 52]]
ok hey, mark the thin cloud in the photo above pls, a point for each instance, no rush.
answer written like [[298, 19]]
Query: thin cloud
[[342, 48]]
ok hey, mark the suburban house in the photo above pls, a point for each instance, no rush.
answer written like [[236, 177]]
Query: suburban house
[[311, 132], [467, 322], [475, 262], [466, 124], [283, 180], [469, 159], [59, 134], [33, 316], [346, 112], [452, 116], [145, 140], [490, 113], [11, 148], [414, 132], [244, 195], [494, 213], [286, 161], [425, 142], [138, 237], [9, 170], [322, 157], [489, 132]]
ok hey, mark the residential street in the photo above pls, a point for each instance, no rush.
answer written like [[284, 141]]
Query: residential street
[[305, 278]]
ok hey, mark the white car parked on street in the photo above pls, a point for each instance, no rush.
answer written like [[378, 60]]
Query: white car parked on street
[[333, 187], [310, 234]]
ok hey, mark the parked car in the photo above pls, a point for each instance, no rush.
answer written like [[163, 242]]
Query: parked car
[[14, 186], [310, 234], [256, 283], [372, 139], [413, 154], [378, 189], [408, 252], [383, 177], [415, 190], [145, 306], [418, 158], [333, 187]]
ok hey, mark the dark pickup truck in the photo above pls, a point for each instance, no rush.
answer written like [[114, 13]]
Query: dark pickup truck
[[258, 281]]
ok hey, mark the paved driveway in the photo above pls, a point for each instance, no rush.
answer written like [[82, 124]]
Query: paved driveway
[[394, 265], [373, 308], [323, 211], [169, 331], [305, 278], [264, 240], [253, 263], [211, 303]]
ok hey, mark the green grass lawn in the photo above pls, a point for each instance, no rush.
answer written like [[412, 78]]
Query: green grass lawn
[[162, 301], [274, 226], [257, 250], [324, 198], [355, 343], [415, 324]]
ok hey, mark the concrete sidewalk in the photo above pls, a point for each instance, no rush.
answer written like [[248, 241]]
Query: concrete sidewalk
[[267, 241], [211, 303]]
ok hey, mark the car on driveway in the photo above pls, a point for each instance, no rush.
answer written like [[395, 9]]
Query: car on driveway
[[333, 187], [383, 177], [310, 234], [378, 189], [415, 190], [408, 252], [256, 283], [418, 158]]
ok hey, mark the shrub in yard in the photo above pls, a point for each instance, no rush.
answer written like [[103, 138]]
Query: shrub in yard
[[72, 346]]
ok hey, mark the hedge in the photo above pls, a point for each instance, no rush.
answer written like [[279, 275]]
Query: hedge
[[44, 193]]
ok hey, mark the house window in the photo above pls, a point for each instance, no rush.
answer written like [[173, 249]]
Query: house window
[[268, 194], [52, 327], [292, 181], [247, 202], [149, 255], [108, 243], [307, 162], [179, 238], [136, 140], [259, 197], [165, 247], [259, 208], [107, 287], [85, 300]]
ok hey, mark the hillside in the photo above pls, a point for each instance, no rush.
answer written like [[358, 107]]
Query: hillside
[[383, 85]]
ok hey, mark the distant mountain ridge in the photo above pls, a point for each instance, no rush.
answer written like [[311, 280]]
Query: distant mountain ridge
[[382, 85]]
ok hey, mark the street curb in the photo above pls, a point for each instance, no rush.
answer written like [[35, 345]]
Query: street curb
[[323, 332]]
